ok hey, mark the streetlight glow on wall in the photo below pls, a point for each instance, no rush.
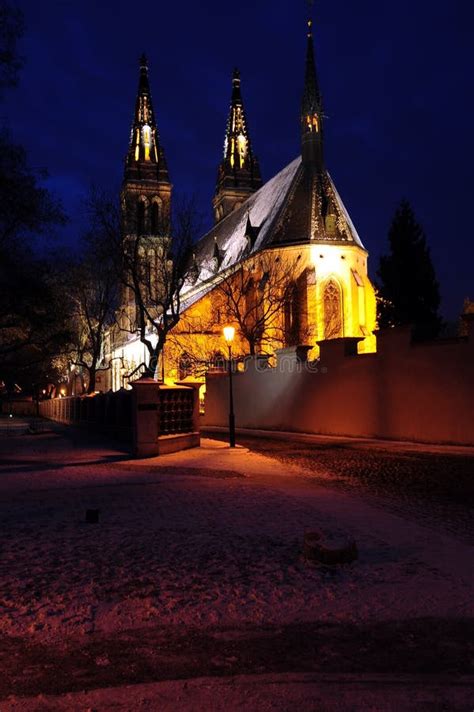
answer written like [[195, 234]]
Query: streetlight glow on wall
[[229, 333]]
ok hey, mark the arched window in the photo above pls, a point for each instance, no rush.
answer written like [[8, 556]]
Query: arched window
[[292, 322], [185, 366], [141, 214], [332, 300], [155, 216]]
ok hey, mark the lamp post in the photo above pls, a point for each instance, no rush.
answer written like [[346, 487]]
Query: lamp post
[[229, 333]]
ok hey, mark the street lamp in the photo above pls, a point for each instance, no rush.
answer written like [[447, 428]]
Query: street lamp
[[229, 333]]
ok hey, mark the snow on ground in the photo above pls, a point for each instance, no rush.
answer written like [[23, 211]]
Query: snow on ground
[[200, 538], [265, 693]]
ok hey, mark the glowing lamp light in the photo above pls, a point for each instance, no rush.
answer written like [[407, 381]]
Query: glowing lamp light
[[229, 333]]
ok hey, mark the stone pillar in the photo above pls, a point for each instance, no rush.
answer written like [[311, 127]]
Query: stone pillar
[[292, 354], [146, 400]]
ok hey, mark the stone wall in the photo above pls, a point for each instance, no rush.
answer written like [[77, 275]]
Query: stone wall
[[418, 392], [109, 413]]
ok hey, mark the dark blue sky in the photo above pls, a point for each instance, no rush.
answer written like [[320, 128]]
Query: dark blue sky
[[396, 79]]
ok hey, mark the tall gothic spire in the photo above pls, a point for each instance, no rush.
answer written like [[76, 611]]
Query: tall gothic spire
[[239, 173], [311, 111], [145, 157]]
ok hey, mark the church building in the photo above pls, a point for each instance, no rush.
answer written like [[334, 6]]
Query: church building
[[292, 231]]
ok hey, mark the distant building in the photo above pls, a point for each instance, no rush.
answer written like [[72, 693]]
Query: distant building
[[296, 220]]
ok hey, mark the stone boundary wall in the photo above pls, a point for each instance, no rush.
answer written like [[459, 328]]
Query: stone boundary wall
[[418, 392]]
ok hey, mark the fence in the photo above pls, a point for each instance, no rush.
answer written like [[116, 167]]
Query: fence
[[152, 418], [109, 413]]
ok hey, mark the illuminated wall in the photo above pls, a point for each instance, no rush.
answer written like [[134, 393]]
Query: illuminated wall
[[326, 270], [401, 392], [336, 299]]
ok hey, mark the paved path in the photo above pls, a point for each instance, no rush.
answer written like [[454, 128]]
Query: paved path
[[283, 436], [432, 485]]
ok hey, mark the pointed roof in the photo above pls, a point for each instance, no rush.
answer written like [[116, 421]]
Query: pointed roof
[[239, 167], [285, 211], [311, 111], [312, 101], [145, 157], [237, 144], [298, 206]]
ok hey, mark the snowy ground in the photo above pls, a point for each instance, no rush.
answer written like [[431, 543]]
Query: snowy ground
[[262, 693], [203, 543]]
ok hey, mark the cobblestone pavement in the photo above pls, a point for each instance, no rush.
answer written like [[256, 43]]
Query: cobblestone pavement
[[431, 488]]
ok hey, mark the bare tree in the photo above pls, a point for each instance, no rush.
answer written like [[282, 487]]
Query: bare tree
[[262, 297], [197, 343], [92, 289], [152, 269]]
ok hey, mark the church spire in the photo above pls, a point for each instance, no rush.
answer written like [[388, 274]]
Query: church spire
[[239, 172], [311, 110], [145, 157]]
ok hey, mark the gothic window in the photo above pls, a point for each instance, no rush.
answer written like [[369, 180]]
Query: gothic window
[[312, 123], [146, 138], [141, 214], [242, 147], [291, 316], [185, 366], [155, 217], [151, 274], [253, 309], [332, 300]]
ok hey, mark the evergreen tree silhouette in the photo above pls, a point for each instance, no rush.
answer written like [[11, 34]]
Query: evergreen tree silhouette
[[408, 291]]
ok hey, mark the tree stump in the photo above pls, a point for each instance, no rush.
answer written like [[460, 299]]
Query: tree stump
[[329, 549]]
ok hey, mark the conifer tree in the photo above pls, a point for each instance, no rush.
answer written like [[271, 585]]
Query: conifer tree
[[408, 291], [32, 320]]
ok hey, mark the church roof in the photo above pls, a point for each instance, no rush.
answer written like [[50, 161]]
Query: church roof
[[296, 206]]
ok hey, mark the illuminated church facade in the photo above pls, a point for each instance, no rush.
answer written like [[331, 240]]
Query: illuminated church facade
[[296, 220]]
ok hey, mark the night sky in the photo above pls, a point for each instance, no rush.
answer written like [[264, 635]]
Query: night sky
[[396, 80]]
